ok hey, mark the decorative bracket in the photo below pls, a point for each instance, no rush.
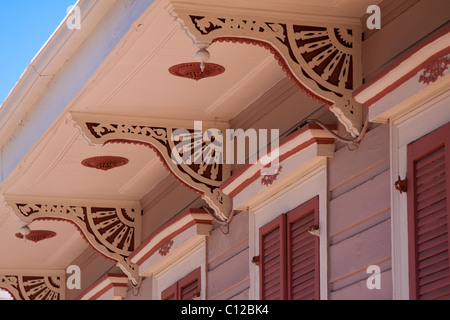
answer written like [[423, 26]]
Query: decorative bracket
[[112, 228], [323, 60], [31, 286], [196, 162]]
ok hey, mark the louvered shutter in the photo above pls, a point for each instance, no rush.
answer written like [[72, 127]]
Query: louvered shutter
[[189, 287], [272, 246], [303, 252], [170, 293], [428, 215]]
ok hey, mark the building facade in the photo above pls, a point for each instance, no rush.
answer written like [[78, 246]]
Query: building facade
[[247, 150]]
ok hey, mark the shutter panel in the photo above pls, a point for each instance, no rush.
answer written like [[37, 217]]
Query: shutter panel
[[272, 246], [170, 293], [189, 286], [428, 215], [303, 252]]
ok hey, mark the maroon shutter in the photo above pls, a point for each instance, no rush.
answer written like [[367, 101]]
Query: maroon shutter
[[189, 286], [428, 215], [303, 252], [170, 293], [272, 246]]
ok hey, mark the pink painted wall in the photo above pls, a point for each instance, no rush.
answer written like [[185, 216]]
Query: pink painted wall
[[228, 261], [359, 218]]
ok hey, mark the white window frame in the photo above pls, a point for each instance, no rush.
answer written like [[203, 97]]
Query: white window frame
[[404, 129], [178, 267], [314, 183]]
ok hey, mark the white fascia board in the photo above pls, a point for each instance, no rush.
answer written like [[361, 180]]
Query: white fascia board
[[58, 72]]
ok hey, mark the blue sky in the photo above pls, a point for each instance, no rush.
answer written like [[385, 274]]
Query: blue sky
[[25, 26]]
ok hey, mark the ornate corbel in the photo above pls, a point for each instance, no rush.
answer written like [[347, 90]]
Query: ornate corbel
[[322, 59], [193, 158], [33, 286], [112, 229]]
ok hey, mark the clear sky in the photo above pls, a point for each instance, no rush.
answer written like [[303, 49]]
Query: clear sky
[[25, 26]]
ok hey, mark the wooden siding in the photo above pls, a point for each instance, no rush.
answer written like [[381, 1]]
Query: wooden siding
[[228, 261], [359, 218]]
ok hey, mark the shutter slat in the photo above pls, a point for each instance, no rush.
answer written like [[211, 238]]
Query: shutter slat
[[304, 284], [434, 273], [434, 286], [272, 255], [425, 223], [432, 200], [189, 287], [305, 295], [431, 193], [308, 243], [272, 238], [436, 207], [303, 272], [438, 255], [187, 293], [435, 155], [437, 241], [432, 234], [303, 254], [437, 294], [429, 163], [275, 295], [428, 215], [433, 181]]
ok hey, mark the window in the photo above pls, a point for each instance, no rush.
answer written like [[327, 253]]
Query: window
[[289, 255], [428, 166], [187, 288]]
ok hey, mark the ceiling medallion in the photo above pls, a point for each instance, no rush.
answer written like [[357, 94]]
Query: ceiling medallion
[[37, 235], [193, 70], [105, 163]]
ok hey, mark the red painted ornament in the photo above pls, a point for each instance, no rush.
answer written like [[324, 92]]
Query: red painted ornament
[[192, 70], [37, 235], [105, 163]]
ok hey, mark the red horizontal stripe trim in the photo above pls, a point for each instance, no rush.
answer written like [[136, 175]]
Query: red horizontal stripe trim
[[101, 292], [156, 247], [105, 277], [283, 141], [397, 62], [405, 78], [282, 158], [167, 225]]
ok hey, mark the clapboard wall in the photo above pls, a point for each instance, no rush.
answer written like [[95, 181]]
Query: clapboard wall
[[228, 276], [359, 218]]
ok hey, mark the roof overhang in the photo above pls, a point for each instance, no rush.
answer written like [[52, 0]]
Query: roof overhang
[[116, 66]]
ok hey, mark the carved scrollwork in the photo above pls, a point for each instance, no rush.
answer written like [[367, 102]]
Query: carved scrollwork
[[114, 232], [193, 156], [23, 287], [323, 60], [434, 70]]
